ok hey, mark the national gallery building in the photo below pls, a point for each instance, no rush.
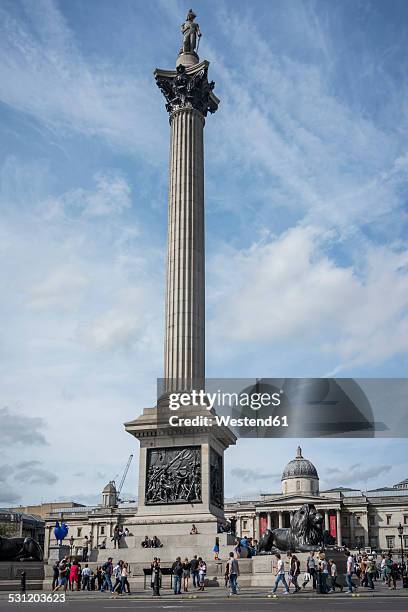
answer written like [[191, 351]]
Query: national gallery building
[[355, 518]]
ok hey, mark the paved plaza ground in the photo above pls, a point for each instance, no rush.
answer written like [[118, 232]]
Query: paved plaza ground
[[249, 600]]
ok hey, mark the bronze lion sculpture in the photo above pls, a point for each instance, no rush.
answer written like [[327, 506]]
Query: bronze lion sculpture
[[15, 549], [304, 534]]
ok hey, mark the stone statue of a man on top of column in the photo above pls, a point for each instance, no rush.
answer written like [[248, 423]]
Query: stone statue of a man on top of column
[[191, 34]]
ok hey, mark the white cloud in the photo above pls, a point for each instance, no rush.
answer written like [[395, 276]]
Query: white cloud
[[44, 74], [8, 495], [305, 150], [31, 472], [355, 475], [288, 290], [120, 326], [63, 287]]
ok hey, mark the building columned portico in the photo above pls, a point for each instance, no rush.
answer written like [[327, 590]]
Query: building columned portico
[[352, 517], [300, 485]]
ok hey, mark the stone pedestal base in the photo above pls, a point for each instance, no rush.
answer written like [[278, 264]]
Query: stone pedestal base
[[173, 546], [10, 575], [56, 553]]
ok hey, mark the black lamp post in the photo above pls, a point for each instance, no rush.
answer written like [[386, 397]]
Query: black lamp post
[[400, 533], [71, 544]]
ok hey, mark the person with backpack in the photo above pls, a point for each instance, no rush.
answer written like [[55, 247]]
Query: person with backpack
[[233, 573], [177, 570]]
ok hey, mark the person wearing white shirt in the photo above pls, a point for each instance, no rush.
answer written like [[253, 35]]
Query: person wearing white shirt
[[280, 575], [349, 571]]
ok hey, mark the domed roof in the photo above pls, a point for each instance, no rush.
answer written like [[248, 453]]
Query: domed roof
[[110, 487], [299, 468]]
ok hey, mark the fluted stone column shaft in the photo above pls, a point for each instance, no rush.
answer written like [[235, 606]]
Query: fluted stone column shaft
[[338, 524], [184, 359]]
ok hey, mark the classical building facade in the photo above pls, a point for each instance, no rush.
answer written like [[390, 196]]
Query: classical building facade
[[355, 518]]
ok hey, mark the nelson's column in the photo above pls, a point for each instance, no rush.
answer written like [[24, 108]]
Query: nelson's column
[[181, 469]]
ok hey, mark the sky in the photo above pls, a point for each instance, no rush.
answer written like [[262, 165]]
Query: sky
[[306, 225]]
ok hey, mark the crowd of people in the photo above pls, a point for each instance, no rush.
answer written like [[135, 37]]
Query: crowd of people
[[68, 574], [356, 571], [361, 570]]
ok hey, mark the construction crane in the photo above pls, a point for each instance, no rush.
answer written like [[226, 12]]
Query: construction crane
[[122, 480]]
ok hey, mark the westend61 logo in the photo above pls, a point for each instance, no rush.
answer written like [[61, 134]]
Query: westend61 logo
[[256, 401]]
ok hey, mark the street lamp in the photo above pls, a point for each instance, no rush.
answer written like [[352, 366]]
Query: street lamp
[[400, 533], [71, 544]]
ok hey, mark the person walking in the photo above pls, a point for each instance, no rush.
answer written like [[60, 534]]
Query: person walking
[[55, 575], [202, 570], [382, 568], [62, 578], [280, 575], [233, 573], [294, 571], [86, 578], [333, 576], [117, 573], [349, 571], [363, 571], [371, 571], [124, 579], [194, 570], [311, 568], [226, 574], [325, 587], [186, 574], [177, 570], [107, 570], [391, 571]]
